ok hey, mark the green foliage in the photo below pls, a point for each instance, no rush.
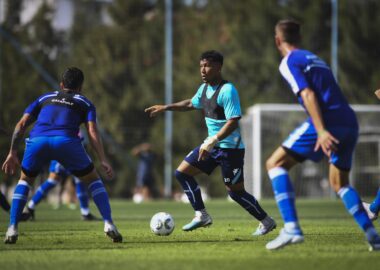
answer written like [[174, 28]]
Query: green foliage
[[123, 63]]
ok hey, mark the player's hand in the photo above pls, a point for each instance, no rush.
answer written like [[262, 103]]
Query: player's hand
[[11, 163], [377, 93], [107, 169], [207, 146], [326, 142], [154, 110]]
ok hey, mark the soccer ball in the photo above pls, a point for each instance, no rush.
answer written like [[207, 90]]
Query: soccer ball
[[162, 224]]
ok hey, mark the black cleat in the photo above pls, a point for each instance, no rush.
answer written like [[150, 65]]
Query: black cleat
[[90, 217]]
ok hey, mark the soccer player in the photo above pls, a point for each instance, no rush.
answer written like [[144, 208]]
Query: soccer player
[[331, 129], [373, 208], [58, 116], [223, 147], [58, 174]]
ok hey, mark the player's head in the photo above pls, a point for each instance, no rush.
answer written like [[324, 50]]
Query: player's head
[[211, 63], [287, 31], [72, 79]]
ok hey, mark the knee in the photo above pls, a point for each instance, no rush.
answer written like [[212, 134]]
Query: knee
[[271, 163]]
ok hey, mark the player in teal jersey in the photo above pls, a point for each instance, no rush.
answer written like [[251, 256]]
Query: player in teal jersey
[[223, 147]]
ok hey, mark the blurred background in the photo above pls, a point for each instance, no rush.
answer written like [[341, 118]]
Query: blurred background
[[120, 46]]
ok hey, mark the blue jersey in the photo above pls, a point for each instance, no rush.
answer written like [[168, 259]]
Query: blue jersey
[[228, 99], [303, 69], [60, 114]]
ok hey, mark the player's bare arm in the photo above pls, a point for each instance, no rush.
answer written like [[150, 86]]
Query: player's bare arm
[[11, 162], [224, 132], [182, 106], [377, 93], [326, 140], [97, 145]]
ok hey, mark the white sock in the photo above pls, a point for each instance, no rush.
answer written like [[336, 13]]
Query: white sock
[[292, 227], [85, 211], [31, 205]]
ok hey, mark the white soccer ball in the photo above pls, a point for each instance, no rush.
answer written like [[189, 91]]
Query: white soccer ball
[[162, 224]]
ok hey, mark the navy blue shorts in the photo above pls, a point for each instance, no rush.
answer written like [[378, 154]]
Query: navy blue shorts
[[301, 142], [66, 150], [231, 162]]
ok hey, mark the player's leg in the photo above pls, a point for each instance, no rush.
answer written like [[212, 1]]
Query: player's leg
[[185, 173], [35, 156], [4, 202], [101, 200], [83, 199], [72, 155], [231, 162], [339, 180], [373, 208], [19, 198], [278, 166], [41, 192]]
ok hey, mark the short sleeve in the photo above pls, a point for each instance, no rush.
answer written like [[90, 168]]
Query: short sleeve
[[196, 100], [229, 100], [291, 69], [33, 109], [91, 114]]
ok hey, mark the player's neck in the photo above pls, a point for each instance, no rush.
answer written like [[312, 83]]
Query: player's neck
[[287, 48], [215, 82]]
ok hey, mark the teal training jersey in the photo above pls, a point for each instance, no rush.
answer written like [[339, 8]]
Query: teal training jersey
[[228, 99]]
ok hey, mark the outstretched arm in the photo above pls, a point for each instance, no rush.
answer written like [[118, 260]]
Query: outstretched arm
[[11, 162], [97, 145], [326, 141], [184, 105]]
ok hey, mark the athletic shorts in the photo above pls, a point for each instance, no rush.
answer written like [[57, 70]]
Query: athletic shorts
[[231, 162], [68, 151], [57, 168], [301, 142]]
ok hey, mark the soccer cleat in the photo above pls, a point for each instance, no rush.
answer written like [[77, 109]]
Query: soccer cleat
[[27, 215], [90, 217], [284, 239], [375, 244], [198, 222], [111, 231], [269, 226], [11, 235], [372, 216]]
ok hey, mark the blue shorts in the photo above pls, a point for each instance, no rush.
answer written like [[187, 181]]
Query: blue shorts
[[57, 168], [68, 151], [231, 162], [301, 142]]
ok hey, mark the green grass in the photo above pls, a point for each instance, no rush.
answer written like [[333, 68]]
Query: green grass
[[58, 239]]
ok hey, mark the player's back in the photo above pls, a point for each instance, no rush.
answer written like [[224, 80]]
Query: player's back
[[60, 113], [303, 69]]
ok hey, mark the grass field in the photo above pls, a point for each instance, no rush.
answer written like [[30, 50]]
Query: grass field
[[58, 239]]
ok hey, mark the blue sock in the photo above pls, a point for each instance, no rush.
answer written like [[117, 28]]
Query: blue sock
[[249, 203], [20, 196], [285, 197], [375, 205], [100, 197], [354, 206], [41, 192], [82, 196], [192, 190]]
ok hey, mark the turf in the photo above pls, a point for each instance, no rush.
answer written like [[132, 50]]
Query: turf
[[58, 239]]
